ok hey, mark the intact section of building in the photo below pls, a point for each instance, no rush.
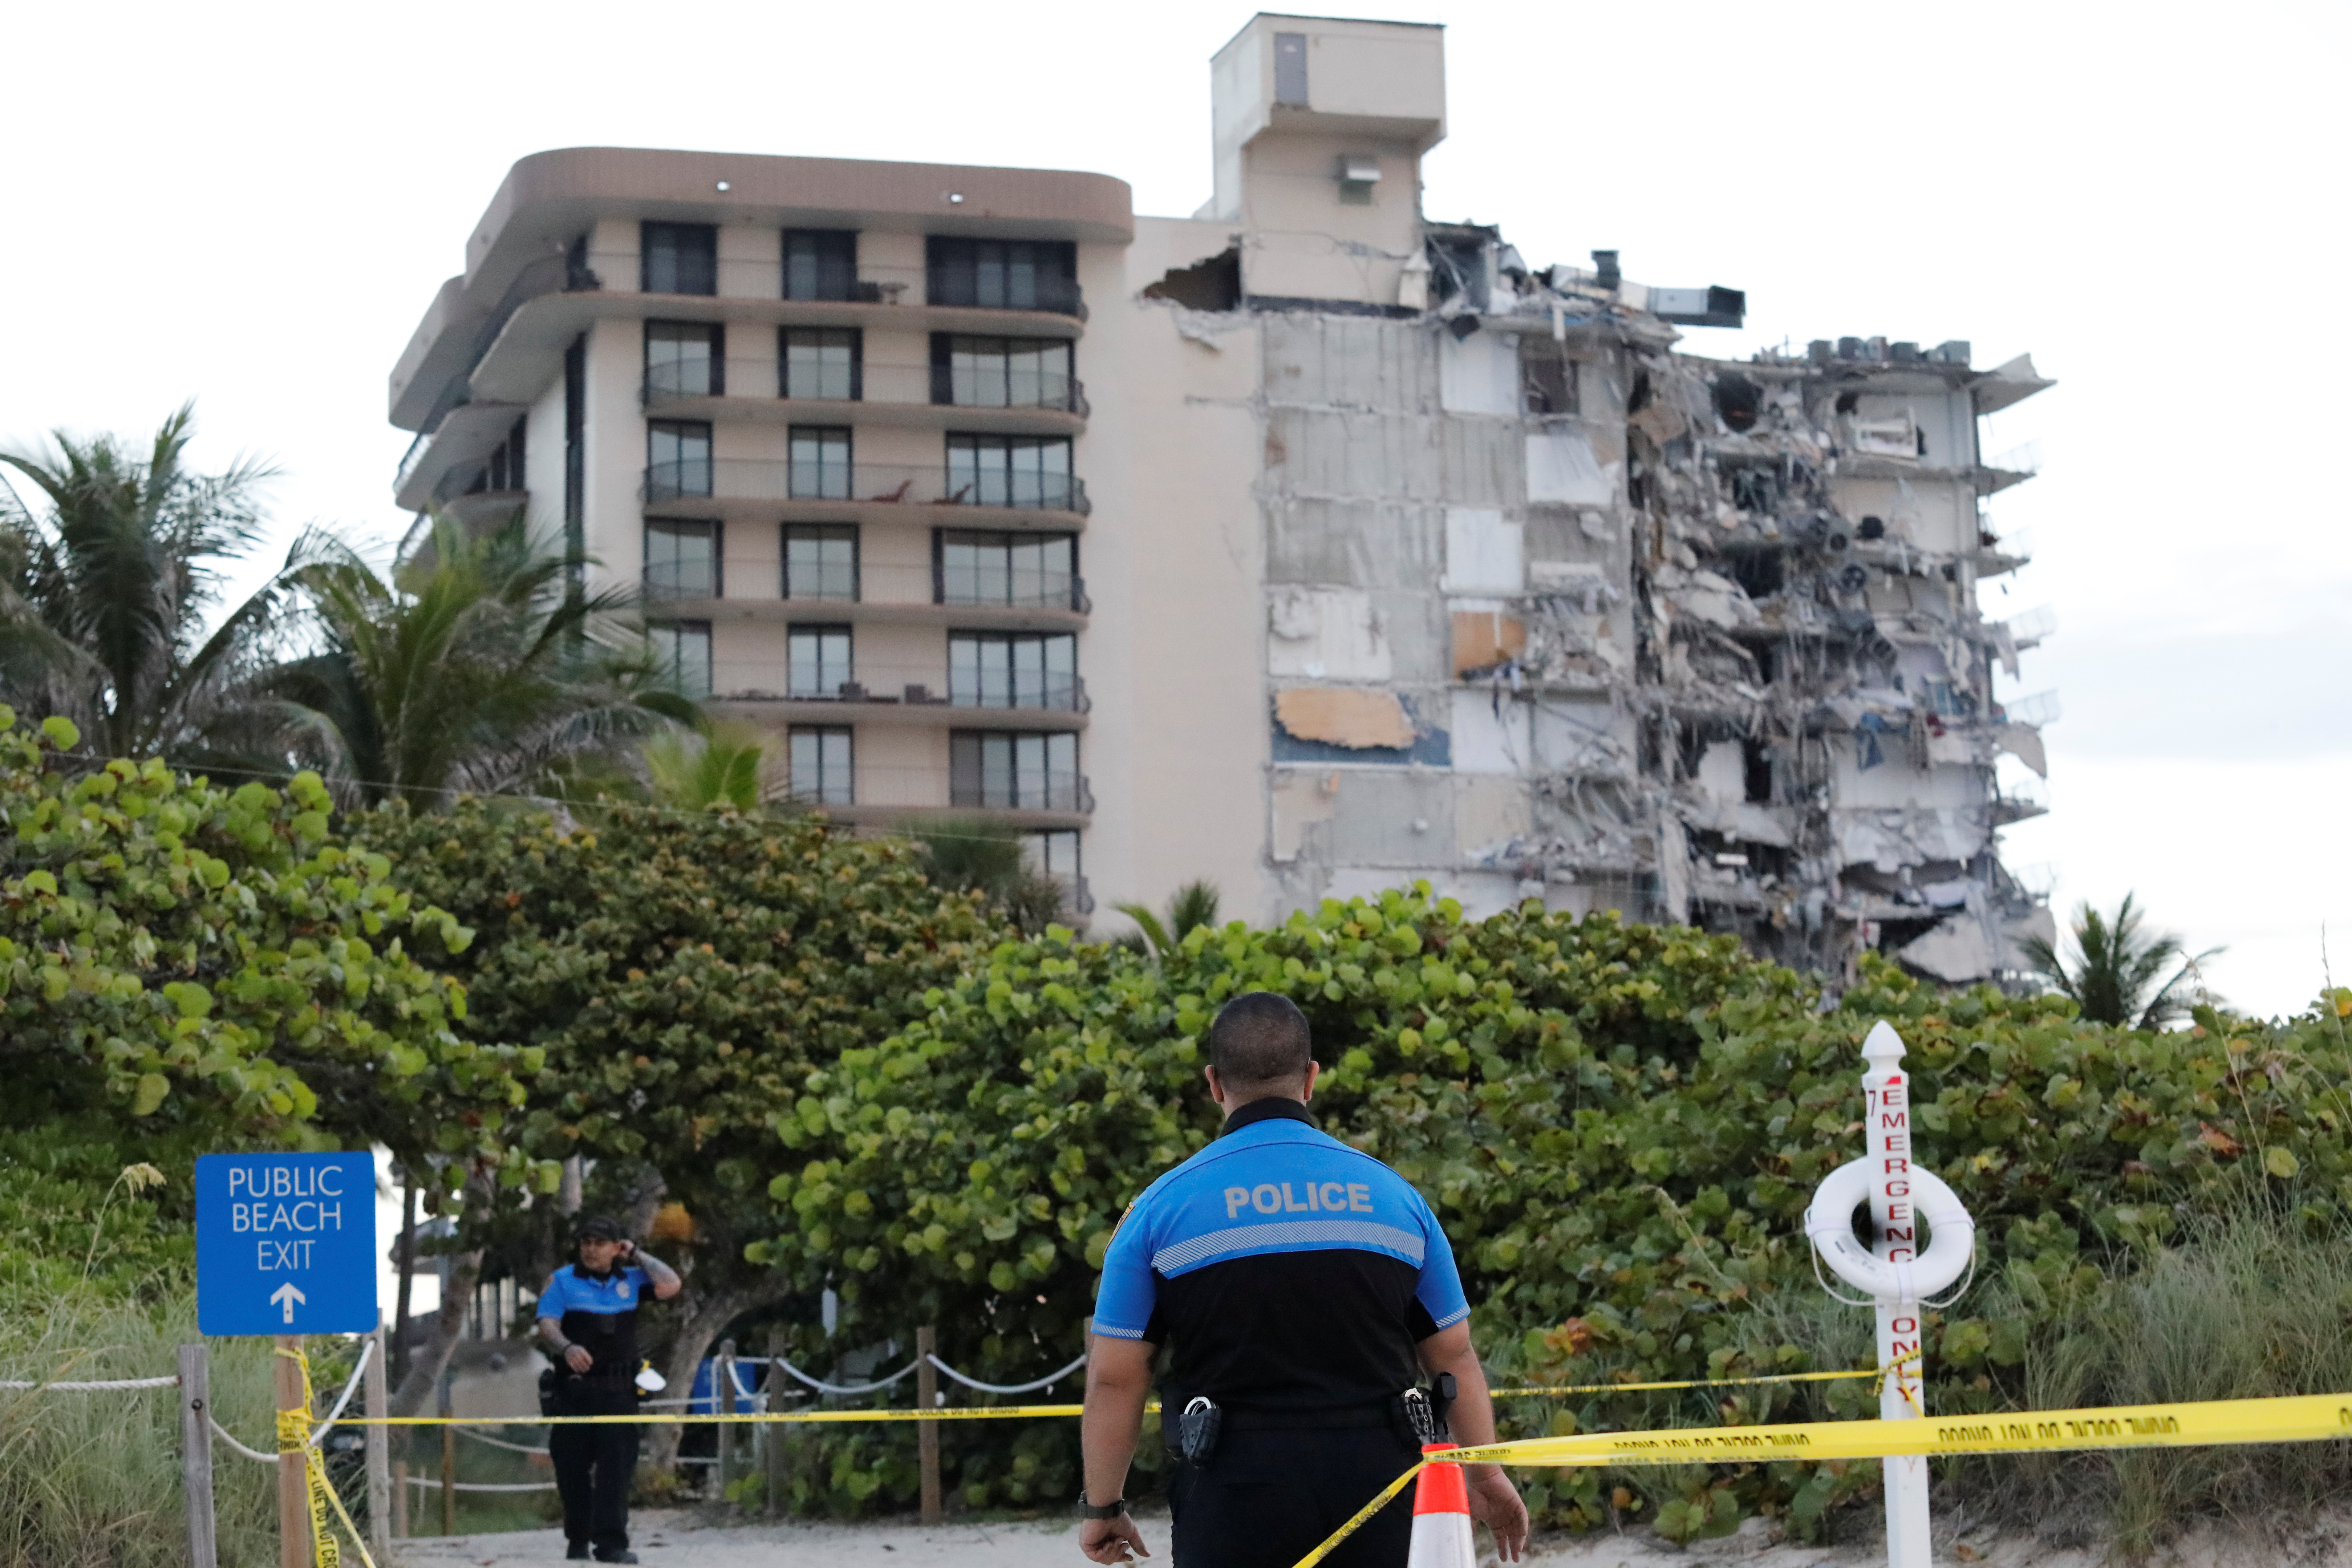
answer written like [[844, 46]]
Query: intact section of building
[[1305, 544]]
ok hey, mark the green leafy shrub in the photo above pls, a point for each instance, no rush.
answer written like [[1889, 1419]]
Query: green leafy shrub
[[679, 977], [180, 955], [1619, 1126]]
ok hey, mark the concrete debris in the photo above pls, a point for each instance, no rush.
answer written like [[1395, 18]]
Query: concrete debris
[[1954, 951]]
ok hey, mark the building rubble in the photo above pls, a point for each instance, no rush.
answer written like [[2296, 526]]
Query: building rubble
[[1717, 658]]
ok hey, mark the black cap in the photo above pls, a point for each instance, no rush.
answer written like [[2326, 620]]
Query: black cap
[[597, 1227]]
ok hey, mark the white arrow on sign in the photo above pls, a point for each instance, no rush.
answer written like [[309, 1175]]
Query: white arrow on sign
[[286, 1296]]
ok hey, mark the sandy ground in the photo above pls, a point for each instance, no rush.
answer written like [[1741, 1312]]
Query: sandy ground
[[680, 1540]]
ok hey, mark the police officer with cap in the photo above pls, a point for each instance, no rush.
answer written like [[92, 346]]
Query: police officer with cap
[[1303, 1289], [588, 1321]]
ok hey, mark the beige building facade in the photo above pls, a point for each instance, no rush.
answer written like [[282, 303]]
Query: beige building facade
[[1305, 544]]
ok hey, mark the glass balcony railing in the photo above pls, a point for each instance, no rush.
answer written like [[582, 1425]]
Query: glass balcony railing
[[856, 681], [1024, 789], [944, 387], [915, 789], [767, 480]]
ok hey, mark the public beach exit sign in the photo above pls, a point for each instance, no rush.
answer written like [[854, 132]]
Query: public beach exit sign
[[286, 1244]]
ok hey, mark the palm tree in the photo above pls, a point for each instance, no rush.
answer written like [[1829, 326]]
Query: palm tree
[[719, 766], [103, 597], [475, 665], [2117, 965], [1192, 906]]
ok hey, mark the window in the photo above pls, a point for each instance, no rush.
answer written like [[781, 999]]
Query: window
[[678, 258], [1013, 669], [681, 560], [683, 650], [1021, 571], [686, 359], [1009, 470], [819, 662], [504, 471], [822, 774], [1001, 373], [575, 459], [1004, 274], [823, 362], [820, 264], [1052, 854], [821, 561], [677, 458], [1015, 771], [820, 463]]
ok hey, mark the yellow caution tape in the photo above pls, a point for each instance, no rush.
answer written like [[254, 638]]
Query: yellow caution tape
[[294, 1438], [750, 1417], [1025, 1412], [2302, 1418], [1363, 1514], [1703, 1381]]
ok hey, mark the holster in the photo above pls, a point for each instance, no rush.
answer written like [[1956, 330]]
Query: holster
[[1196, 1430]]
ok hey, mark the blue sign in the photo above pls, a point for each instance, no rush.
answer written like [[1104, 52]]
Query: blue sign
[[286, 1244]]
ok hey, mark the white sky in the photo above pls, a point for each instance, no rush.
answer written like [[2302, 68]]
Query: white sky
[[252, 204]]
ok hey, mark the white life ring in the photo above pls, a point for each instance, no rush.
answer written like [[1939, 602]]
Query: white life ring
[[1829, 1225]]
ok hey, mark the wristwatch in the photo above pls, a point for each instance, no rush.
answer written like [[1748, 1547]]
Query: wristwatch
[[1110, 1509]]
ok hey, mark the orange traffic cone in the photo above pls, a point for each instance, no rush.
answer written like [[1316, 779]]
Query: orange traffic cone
[[1441, 1516]]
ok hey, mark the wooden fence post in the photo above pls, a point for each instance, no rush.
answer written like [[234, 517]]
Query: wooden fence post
[[776, 1433], [448, 1463], [723, 1385], [293, 1482], [379, 1447], [196, 1454], [927, 1433]]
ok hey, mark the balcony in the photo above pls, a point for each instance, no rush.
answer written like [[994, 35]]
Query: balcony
[[768, 488], [935, 385], [884, 596], [1052, 798], [921, 695], [922, 396]]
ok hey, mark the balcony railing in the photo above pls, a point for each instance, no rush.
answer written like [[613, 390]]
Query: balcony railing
[[891, 585], [1027, 292], [1042, 790], [745, 278], [891, 788], [943, 387], [861, 683], [767, 480]]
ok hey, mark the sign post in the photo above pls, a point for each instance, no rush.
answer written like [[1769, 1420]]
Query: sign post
[[1896, 1276], [285, 1247], [293, 1470]]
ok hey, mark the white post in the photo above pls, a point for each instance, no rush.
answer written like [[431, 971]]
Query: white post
[[1894, 1220]]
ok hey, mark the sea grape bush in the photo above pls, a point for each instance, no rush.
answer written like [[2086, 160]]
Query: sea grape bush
[[1619, 1126], [181, 954]]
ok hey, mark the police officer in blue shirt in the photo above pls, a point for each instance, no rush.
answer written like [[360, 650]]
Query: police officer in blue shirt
[[588, 1321], [1304, 1288]]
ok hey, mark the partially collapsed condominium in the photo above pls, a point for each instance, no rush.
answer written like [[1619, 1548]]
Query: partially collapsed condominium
[[1306, 544]]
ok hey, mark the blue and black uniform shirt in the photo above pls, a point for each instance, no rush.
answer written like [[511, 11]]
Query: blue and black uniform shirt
[[598, 1313], [1291, 1271]]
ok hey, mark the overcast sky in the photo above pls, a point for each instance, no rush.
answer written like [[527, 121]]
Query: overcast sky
[[252, 204]]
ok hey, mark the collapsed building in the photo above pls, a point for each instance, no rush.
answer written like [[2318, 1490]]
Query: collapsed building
[[1558, 609], [1304, 545]]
